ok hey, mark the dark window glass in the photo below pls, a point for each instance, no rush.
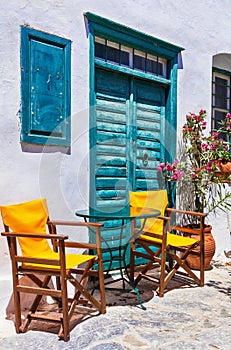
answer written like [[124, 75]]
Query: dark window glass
[[221, 93], [160, 69], [139, 62], [100, 51], [219, 116], [152, 66], [121, 55], [124, 58], [113, 54]]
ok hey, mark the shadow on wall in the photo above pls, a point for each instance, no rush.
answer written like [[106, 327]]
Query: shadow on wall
[[31, 148]]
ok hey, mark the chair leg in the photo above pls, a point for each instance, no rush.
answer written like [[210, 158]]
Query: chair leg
[[58, 286], [202, 266], [17, 306], [64, 332], [132, 261], [101, 286], [162, 273]]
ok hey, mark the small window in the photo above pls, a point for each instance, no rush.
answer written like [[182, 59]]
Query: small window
[[221, 89], [116, 53], [221, 99], [45, 88]]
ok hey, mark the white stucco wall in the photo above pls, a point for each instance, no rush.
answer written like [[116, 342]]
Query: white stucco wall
[[201, 27]]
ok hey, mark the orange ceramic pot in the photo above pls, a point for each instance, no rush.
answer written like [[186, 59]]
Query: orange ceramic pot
[[225, 167], [193, 260]]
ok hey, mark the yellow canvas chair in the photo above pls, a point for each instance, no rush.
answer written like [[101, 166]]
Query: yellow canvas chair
[[25, 227], [159, 233]]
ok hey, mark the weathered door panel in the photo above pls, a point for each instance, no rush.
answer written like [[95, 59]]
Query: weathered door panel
[[149, 120], [111, 181]]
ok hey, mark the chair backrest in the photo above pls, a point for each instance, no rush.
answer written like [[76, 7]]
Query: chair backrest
[[151, 199], [28, 217]]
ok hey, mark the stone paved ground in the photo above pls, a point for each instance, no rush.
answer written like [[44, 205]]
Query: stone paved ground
[[186, 318]]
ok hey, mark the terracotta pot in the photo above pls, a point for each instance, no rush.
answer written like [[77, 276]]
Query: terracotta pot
[[193, 261], [225, 167], [222, 176]]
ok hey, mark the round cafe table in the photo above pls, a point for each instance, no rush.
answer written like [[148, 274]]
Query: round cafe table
[[126, 216]]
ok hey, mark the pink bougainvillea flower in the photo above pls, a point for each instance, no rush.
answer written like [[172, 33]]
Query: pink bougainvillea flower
[[202, 111], [177, 175], [169, 167], [213, 146], [208, 168], [197, 118], [174, 177], [214, 135], [204, 146], [161, 166]]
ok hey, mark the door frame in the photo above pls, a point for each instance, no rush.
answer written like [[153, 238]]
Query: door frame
[[105, 28]]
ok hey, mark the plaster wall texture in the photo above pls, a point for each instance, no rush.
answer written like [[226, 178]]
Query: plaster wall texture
[[201, 27]]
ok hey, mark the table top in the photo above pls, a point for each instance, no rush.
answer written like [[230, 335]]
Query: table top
[[116, 213]]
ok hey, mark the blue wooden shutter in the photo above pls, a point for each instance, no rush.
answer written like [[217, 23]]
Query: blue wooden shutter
[[45, 88]]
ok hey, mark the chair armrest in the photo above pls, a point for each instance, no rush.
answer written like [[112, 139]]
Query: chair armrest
[[74, 244], [187, 229], [164, 218], [192, 213], [52, 225], [34, 235], [73, 223]]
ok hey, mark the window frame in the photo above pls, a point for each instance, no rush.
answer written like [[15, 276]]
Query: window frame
[[104, 28], [28, 34]]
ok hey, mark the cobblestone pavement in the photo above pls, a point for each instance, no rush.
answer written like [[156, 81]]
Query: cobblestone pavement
[[186, 318]]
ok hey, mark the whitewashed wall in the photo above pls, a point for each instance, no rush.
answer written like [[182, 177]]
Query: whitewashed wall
[[201, 27]]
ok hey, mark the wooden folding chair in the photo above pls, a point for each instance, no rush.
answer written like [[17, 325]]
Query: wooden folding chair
[[172, 246], [40, 264]]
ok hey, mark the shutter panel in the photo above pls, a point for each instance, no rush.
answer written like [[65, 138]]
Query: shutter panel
[[45, 88]]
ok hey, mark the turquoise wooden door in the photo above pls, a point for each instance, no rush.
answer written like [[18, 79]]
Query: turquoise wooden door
[[127, 143]]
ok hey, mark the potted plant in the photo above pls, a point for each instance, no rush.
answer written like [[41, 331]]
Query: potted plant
[[195, 173]]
